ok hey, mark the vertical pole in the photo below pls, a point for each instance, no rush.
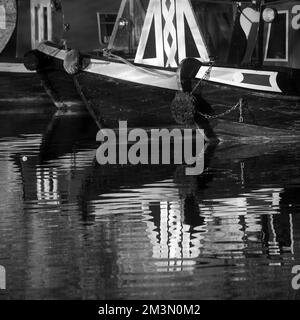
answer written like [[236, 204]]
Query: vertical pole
[[131, 26]]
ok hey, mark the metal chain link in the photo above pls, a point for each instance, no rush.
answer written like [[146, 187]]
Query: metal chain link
[[109, 54], [211, 117], [204, 78]]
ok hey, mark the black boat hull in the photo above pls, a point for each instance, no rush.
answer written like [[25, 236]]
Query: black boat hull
[[22, 93], [115, 91], [260, 109], [113, 100]]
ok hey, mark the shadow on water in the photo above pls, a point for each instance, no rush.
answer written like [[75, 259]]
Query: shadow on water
[[71, 228]]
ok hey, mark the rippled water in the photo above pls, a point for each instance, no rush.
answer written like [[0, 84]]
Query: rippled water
[[70, 229]]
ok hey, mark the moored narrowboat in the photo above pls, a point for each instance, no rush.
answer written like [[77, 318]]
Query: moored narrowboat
[[24, 24], [234, 65], [21, 90]]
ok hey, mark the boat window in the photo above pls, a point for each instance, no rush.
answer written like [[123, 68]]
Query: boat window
[[2, 17], [277, 38], [45, 13], [128, 28], [106, 22], [36, 20]]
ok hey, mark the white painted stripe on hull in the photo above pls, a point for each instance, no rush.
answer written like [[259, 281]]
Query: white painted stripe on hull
[[121, 71], [160, 79], [167, 79], [234, 77], [13, 68]]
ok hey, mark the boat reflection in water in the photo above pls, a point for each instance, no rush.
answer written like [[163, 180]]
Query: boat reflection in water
[[80, 230]]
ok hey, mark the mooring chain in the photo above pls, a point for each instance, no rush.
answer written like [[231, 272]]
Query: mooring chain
[[241, 120], [220, 115], [239, 105], [204, 78]]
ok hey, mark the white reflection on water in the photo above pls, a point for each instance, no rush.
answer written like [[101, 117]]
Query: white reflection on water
[[231, 228], [82, 231], [47, 185]]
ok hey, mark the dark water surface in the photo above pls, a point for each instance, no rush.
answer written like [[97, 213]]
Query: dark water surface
[[70, 229]]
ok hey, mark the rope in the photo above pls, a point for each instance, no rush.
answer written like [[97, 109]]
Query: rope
[[108, 54], [57, 101], [87, 103]]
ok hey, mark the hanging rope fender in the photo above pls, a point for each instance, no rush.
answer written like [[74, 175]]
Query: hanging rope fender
[[184, 106], [73, 62], [35, 60]]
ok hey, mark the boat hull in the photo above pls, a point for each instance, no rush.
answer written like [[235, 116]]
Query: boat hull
[[21, 91], [114, 91], [113, 100], [259, 109]]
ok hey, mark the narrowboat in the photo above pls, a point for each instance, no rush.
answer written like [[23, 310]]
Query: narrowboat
[[21, 90], [230, 65], [24, 24]]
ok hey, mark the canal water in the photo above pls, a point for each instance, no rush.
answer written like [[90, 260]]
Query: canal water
[[72, 229]]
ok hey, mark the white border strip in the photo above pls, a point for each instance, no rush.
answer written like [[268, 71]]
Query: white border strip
[[13, 68], [167, 79], [120, 71], [139, 75], [234, 77]]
